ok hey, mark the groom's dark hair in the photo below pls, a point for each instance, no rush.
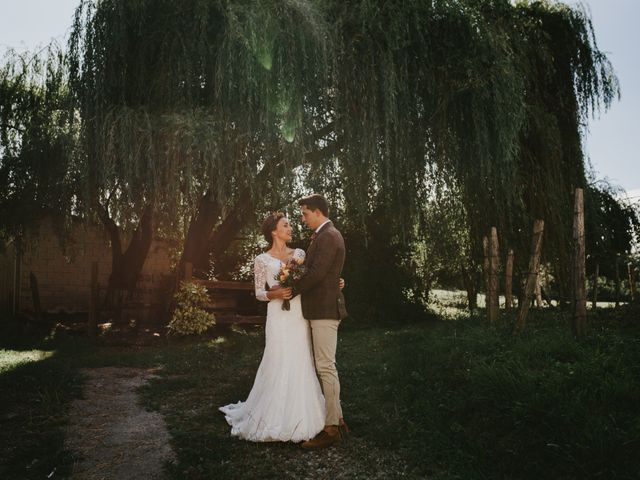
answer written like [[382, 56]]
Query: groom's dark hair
[[315, 202]]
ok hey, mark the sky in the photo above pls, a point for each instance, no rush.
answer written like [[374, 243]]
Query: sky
[[611, 141]]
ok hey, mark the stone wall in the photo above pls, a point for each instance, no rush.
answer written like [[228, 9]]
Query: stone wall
[[64, 275]]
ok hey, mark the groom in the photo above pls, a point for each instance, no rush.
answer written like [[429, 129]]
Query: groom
[[323, 305]]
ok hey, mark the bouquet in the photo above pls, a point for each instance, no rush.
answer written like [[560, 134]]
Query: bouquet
[[289, 275]]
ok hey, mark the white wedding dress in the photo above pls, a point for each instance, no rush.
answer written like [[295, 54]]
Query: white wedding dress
[[286, 401]]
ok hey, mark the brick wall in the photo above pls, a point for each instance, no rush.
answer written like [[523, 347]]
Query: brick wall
[[64, 276]]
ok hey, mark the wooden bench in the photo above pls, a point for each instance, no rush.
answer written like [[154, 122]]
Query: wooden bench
[[231, 301]]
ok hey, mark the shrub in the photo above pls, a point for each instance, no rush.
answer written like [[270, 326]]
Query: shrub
[[189, 316]]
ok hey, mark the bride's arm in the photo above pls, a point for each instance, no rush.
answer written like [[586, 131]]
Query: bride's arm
[[260, 279]]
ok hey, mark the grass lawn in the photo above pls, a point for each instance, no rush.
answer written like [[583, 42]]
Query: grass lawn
[[449, 399]]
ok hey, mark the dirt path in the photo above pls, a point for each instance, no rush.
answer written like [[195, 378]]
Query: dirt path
[[111, 434]]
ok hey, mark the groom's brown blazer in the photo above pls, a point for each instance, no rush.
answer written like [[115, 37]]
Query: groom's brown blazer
[[321, 295]]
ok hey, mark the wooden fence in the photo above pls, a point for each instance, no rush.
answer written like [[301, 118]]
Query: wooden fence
[[230, 301]]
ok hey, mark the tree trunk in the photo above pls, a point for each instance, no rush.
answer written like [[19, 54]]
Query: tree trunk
[[112, 299], [35, 295], [241, 215], [196, 243], [470, 286], [207, 241], [564, 289], [579, 290], [534, 268], [493, 300], [138, 249], [596, 274], [508, 282], [92, 323], [520, 291], [126, 267], [632, 281]]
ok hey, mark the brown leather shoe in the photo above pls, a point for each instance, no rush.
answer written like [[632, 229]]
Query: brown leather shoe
[[323, 440], [344, 428]]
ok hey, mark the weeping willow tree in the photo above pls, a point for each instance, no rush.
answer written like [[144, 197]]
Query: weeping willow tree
[[494, 95], [203, 111], [38, 178], [568, 79]]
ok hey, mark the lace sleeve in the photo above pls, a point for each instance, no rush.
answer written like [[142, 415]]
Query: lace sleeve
[[260, 277]]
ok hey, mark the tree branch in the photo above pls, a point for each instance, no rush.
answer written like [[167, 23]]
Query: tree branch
[[241, 213], [112, 229]]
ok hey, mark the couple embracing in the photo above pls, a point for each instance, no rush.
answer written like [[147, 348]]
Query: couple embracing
[[287, 402]]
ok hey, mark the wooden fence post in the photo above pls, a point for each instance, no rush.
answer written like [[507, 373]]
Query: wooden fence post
[[485, 270], [579, 290], [534, 268], [508, 281], [92, 323], [596, 274], [493, 304]]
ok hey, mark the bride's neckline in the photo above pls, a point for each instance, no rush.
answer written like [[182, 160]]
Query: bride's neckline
[[282, 261]]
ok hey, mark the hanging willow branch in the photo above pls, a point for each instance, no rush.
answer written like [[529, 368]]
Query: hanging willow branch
[[182, 98], [37, 140]]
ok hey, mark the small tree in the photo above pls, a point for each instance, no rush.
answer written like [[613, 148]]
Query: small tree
[[612, 227]]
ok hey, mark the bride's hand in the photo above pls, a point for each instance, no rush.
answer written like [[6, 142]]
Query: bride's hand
[[278, 292], [341, 283]]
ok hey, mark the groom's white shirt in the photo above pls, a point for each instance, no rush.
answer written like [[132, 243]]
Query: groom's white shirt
[[323, 224]]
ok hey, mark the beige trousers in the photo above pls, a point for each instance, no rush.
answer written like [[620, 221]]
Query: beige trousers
[[325, 341]]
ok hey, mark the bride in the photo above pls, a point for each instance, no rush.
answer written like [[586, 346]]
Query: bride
[[286, 401]]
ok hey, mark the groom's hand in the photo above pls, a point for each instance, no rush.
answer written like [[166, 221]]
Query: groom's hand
[[341, 283]]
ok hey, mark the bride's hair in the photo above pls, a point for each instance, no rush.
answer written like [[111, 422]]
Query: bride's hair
[[270, 224]]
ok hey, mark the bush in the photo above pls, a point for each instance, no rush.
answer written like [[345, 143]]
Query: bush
[[607, 290], [189, 316]]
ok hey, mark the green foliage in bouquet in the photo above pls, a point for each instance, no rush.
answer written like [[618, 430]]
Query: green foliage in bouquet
[[189, 316]]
